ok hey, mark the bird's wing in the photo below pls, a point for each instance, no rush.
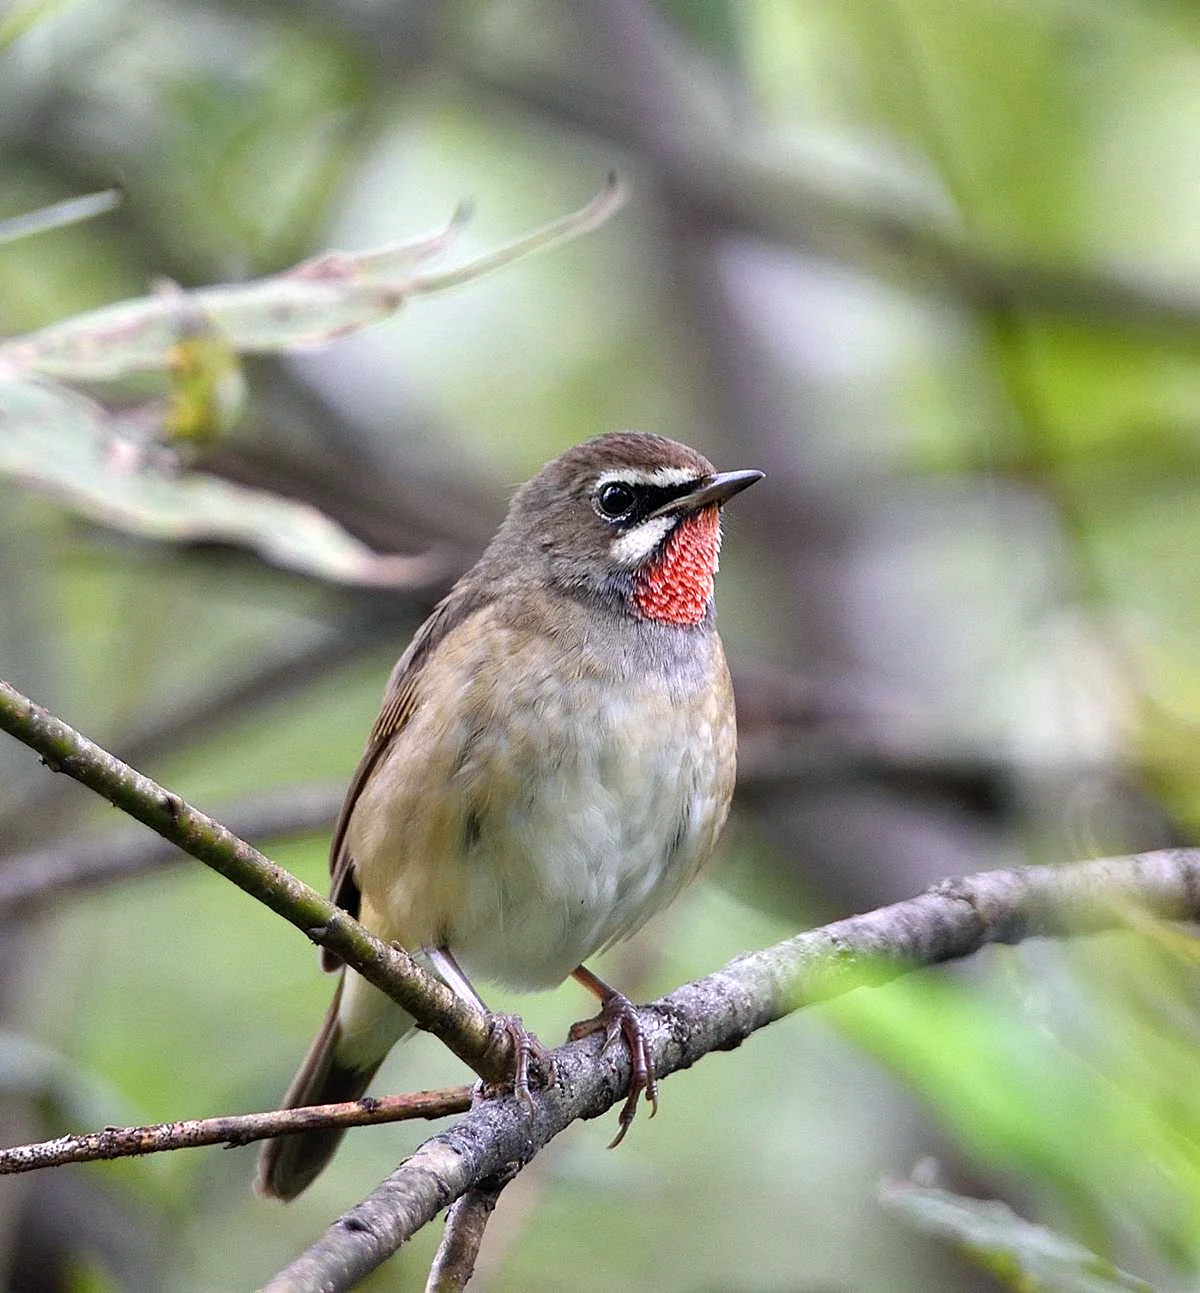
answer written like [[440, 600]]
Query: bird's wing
[[399, 702]]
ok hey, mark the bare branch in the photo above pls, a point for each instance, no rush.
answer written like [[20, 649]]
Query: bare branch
[[466, 1031], [951, 920], [233, 1129], [454, 1262]]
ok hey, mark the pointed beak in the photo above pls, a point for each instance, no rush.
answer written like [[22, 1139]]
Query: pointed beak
[[712, 490]]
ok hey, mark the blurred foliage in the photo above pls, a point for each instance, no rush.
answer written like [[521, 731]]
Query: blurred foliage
[[932, 266], [1079, 1090], [129, 470], [1025, 1257]]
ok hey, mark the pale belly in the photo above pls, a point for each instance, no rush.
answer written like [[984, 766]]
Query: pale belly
[[525, 843]]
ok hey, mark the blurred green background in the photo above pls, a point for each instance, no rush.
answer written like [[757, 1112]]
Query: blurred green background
[[933, 267]]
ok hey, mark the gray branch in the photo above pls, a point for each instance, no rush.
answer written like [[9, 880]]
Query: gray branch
[[454, 1262], [951, 920]]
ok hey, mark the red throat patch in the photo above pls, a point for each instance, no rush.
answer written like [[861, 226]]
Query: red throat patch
[[678, 587]]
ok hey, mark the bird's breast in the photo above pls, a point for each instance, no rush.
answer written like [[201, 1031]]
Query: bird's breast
[[550, 792]]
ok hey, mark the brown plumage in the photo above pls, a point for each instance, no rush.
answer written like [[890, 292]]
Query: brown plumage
[[553, 759]]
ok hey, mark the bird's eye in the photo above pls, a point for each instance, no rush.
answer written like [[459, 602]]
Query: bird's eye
[[614, 500]]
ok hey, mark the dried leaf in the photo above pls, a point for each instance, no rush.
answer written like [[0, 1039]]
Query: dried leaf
[[58, 441], [333, 294]]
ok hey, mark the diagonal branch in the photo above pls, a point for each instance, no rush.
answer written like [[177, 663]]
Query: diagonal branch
[[951, 920], [467, 1032]]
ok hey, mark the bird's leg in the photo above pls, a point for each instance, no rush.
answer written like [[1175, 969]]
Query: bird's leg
[[526, 1045], [618, 1017]]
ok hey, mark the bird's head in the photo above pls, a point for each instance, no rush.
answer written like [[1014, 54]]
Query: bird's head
[[630, 520]]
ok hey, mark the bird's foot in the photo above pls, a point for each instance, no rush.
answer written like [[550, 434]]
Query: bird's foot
[[532, 1059], [619, 1018]]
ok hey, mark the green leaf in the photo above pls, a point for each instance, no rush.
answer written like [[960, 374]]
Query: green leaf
[[1010, 1064]]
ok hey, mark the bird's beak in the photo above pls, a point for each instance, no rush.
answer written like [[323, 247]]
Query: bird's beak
[[710, 491]]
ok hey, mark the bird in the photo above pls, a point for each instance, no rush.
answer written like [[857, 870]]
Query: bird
[[552, 763]]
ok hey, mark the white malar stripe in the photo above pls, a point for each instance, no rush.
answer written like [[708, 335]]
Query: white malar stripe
[[659, 476], [634, 546]]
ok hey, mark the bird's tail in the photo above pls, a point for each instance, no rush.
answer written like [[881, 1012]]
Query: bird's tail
[[359, 1029]]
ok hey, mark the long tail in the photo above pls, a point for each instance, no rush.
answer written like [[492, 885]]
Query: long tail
[[339, 1066]]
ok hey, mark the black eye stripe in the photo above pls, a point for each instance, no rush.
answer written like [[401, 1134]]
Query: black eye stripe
[[643, 499], [668, 493]]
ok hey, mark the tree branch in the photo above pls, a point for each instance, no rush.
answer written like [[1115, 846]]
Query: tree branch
[[467, 1032], [232, 1129], [454, 1262], [951, 920]]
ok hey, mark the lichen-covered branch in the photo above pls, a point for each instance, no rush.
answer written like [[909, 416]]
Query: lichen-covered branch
[[951, 920]]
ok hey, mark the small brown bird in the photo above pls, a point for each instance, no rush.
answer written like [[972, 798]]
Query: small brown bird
[[553, 762]]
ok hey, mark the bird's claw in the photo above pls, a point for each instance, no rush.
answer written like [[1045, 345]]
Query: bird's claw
[[526, 1048], [619, 1019]]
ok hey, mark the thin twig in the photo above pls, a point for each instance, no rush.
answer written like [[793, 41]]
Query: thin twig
[[468, 1032], [454, 1261], [232, 1129], [951, 920]]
